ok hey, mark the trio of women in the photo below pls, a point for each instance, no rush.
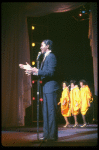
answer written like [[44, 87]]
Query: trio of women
[[75, 101]]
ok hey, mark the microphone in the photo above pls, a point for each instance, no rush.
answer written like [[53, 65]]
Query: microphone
[[68, 85], [39, 53]]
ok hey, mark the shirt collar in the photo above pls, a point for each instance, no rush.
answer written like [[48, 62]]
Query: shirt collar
[[47, 53]]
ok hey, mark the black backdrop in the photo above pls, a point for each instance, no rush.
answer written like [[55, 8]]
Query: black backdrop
[[71, 45]]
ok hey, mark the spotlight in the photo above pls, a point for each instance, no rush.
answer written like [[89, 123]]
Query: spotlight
[[40, 82], [80, 14], [83, 12], [41, 99], [33, 44], [33, 27], [33, 98], [33, 81], [33, 63]]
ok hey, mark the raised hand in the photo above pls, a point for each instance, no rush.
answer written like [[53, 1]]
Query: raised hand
[[28, 72], [21, 66]]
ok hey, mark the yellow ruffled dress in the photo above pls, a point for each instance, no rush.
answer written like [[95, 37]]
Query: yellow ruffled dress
[[65, 105], [75, 100], [86, 99]]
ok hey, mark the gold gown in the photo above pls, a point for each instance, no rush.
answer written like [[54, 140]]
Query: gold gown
[[64, 100], [75, 100], [86, 99]]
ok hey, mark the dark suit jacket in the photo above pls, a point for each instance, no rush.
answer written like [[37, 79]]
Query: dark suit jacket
[[48, 74]]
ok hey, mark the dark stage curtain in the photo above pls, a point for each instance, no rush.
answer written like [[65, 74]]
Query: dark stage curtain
[[93, 42], [16, 86]]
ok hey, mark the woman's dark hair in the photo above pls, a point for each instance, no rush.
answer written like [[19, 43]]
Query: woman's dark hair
[[49, 42], [84, 82], [73, 81], [65, 83]]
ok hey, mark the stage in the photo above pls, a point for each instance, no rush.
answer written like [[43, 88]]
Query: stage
[[27, 136]]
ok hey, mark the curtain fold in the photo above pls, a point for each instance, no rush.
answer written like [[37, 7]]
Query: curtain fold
[[16, 87], [37, 9], [93, 42]]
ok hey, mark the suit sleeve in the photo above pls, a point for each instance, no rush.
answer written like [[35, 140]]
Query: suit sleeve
[[51, 66]]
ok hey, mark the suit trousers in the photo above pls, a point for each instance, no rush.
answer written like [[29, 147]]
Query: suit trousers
[[50, 127]]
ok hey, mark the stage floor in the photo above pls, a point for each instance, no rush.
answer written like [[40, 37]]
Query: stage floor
[[78, 136]]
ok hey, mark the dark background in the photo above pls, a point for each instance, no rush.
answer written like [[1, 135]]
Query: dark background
[[70, 44], [71, 47]]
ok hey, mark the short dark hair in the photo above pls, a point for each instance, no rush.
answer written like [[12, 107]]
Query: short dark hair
[[73, 81], [49, 42], [65, 83], [84, 82]]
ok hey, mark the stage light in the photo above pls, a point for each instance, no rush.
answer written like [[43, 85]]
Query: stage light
[[83, 12], [33, 63], [33, 81], [40, 82], [80, 13], [41, 99], [33, 98], [33, 44], [33, 27]]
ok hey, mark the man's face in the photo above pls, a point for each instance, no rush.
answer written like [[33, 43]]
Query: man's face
[[43, 47]]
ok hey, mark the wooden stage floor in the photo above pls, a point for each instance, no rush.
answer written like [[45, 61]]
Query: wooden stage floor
[[27, 136]]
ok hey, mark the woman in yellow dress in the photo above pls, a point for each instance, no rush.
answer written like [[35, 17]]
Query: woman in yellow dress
[[64, 101], [86, 99], [75, 100]]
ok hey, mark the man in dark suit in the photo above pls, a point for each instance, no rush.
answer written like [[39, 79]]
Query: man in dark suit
[[47, 73]]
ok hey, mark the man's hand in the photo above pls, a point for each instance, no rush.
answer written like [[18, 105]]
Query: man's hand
[[21, 66], [35, 70], [28, 69], [27, 66], [28, 72]]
